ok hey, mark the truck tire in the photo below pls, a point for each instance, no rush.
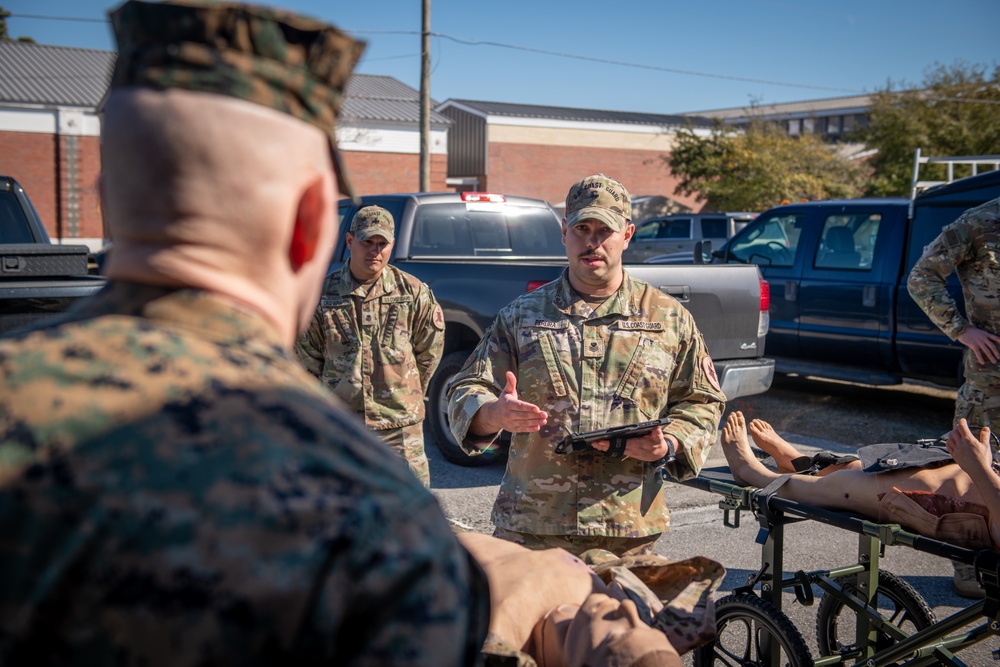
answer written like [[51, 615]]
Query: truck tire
[[437, 413]]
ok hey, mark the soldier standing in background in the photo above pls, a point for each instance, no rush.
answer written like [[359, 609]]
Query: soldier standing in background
[[593, 349], [174, 488], [970, 246], [376, 339]]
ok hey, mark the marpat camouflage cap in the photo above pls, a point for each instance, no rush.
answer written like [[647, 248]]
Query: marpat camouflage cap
[[281, 60], [373, 221], [600, 198]]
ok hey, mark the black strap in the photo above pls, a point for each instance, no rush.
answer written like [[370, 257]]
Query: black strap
[[616, 448]]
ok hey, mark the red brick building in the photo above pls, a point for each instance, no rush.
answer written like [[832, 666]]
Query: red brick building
[[539, 151], [50, 134]]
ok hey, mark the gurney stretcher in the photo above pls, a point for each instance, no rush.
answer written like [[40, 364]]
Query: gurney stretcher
[[850, 628]]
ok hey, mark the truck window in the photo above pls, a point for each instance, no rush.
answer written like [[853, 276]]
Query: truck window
[[14, 228], [485, 230], [647, 230], [770, 241], [848, 241], [675, 229], [713, 228]]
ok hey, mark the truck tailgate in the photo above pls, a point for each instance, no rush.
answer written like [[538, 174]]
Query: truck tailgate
[[723, 298]]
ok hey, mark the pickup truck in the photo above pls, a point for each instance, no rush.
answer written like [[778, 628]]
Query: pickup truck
[[837, 271], [478, 252], [37, 278], [680, 232]]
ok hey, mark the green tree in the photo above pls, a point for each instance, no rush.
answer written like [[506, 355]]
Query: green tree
[[955, 112], [4, 34], [756, 169]]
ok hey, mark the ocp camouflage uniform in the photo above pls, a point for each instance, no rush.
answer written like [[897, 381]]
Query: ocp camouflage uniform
[[177, 490], [971, 247], [638, 356], [376, 351]]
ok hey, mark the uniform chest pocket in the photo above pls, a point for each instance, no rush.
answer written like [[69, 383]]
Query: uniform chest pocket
[[394, 342], [646, 379], [549, 347], [340, 335]]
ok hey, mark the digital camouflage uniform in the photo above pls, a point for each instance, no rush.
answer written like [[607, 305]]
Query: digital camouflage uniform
[[639, 356], [174, 488], [177, 490], [971, 247], [376, 350]]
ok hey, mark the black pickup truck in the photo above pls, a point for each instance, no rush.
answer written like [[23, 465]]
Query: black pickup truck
[[838, 269], [478, 252], [37, 278]]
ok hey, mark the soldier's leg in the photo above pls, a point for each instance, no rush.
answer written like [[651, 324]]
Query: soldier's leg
[[408, 442], [978, 402]]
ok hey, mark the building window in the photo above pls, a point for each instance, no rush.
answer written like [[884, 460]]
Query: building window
[[795, 127]]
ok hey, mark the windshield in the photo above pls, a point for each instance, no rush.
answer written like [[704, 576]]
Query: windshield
[[485, 230]]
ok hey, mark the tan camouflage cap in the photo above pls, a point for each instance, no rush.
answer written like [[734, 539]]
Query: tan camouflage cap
[[281, 60], [373, 221], [600, 198]]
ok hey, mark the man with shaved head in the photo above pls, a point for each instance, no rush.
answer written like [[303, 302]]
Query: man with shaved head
[[175, 489]]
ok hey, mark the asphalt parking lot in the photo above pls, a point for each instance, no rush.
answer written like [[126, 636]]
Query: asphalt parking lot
[[814, 415]]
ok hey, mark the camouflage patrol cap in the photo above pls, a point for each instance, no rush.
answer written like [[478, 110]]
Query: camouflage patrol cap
[[600, 198], [281, 60], [373, 221]]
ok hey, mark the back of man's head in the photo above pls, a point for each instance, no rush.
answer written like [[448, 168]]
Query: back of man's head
[[217, 140]]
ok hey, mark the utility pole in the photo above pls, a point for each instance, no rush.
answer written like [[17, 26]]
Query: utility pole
[[425, 98]]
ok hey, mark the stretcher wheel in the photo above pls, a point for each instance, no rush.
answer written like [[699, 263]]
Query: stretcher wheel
[[897, 602], [744, 621]]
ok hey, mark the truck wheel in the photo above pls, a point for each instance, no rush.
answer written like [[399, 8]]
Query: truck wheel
[[437, 412]]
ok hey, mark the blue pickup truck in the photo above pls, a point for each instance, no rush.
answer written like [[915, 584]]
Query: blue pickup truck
[[837, 272]]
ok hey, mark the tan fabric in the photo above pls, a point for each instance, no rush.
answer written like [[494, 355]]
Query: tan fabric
[[550, 608], [601, 631], [940, 517]]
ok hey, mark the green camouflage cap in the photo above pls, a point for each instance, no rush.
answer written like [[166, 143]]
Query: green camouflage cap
[[601, 198], [281, 60], [373, 221]]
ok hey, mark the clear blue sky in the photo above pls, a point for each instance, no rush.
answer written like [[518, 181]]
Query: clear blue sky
[[658, 56]]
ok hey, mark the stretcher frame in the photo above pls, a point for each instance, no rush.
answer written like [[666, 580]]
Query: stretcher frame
[[933, 645]]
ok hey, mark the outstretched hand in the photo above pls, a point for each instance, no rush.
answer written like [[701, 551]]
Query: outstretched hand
[[650, 447], [509, 413], [984, 345]]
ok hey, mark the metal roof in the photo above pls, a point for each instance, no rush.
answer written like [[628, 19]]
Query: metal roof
[[580, 115], [59, 75], [376, 97], [36, 74], [823, 107]]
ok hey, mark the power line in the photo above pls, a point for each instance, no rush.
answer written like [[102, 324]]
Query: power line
[[78, 19], [515, 47], [558, 54]]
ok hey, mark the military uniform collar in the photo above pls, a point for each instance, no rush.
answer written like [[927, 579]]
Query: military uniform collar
[[620, 303], [384, 284], [214, 316]]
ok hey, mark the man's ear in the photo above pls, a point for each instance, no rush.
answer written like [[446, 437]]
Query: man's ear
[[564, 228], [629, 232], [308, 230]]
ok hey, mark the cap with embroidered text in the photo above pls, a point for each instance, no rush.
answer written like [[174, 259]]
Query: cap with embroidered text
[[599, 197], [373, 221]]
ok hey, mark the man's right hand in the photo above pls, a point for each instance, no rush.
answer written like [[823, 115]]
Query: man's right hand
[[507, 413], [984, 345]]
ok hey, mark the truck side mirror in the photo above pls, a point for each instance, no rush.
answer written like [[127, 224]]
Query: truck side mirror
[[703, 252]]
